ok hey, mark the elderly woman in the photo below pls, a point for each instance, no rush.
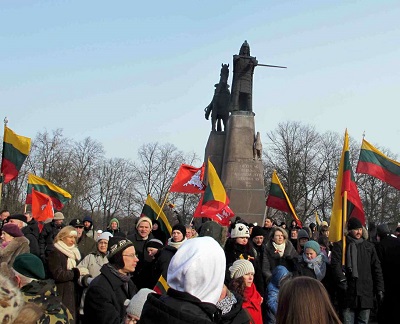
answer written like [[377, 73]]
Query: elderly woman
[[278, 251], [107, 293], [14, 243], [93, 263], [62, 266]]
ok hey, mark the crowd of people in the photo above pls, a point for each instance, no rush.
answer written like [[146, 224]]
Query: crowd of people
[[244, 273]]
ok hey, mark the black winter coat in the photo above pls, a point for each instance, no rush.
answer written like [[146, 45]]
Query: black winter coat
[[360, 291], [105, 297], [178, 308], [272, 259], [31, 232], [46, 238]]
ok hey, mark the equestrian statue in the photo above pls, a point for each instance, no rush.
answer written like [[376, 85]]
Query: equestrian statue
[[219, 105]]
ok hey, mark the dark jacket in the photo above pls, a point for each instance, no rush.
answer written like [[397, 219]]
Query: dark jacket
[[46, 238], [140, 276], [105, 298], [237, 314], [272, 259], [360, 292], [164, 259], [86, 245], [66, 280], [388, 250], [178, 308], [31, 232]]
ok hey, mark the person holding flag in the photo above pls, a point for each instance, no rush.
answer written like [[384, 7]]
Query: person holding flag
[[362, 275]]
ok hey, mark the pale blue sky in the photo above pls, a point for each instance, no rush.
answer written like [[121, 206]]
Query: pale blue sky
[[132, 72]]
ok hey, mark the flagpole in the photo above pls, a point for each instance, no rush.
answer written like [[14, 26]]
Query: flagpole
[[2, 154], [344, 220], [265, 215], [162, 206]]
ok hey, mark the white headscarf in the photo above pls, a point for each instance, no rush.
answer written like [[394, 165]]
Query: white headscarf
[[198, 268]]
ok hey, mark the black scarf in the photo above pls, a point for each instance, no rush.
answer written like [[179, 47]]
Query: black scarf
[[351, 255]]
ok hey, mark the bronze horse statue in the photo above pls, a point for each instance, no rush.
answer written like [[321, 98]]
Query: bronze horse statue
[[219, 105]]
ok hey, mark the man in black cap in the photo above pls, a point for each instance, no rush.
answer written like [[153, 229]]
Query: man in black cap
[[86, 244], [388, 249], [360, 277], [31, 232]]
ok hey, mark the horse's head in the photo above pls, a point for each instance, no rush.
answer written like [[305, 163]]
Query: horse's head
[[224, 73]]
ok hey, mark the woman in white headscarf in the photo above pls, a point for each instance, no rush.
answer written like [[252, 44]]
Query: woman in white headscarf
[[195, 277]]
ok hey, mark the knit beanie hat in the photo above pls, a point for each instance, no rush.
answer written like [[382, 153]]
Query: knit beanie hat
[[353, 223], [58, 216], [135, 306], [29, 265], [257, 231], [11, 300], [324, 223], [312, 245], [112, 221], [117, 245], [12, 229], [144, 219], [241, 267], [154, 243], [181, 228], [87, 218], [240, 230], [302, 234], [104, 236]]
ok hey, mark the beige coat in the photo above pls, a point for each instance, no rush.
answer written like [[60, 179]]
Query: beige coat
[[17, 246]]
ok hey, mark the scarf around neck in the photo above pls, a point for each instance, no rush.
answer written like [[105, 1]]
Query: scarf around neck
[[176, 245], [318, 264], [351, 255], [71, 252], [279, 248]]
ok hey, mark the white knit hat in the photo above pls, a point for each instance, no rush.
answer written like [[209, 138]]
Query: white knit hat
[[240, 230], [144, 219], [104, 236], [241, 267], [135, 306]]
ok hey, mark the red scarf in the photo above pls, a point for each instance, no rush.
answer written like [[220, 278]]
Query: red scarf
[[252, 303]]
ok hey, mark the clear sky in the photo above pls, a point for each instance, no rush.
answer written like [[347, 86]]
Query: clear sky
[[127, 73]]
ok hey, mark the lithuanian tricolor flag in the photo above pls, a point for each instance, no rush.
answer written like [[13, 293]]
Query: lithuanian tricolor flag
[[153, 211], [346, 201], [278, 199], [58, 196], [378, 165], [214, 203], [15, 150]]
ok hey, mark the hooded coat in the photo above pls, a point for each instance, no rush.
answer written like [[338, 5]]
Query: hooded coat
[[194, 288], [272, 292]]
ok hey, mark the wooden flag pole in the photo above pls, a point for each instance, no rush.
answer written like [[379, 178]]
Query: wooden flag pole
[[162, 206], [344, 220]]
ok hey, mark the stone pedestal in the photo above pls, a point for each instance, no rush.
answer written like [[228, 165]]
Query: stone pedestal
[[215, 151], [242, 176]]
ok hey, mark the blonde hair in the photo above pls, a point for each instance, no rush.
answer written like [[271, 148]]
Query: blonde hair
[[65, 232]]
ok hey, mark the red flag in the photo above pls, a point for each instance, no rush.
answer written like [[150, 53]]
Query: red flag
[[221, 213], [42, 206], [188, 179]]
